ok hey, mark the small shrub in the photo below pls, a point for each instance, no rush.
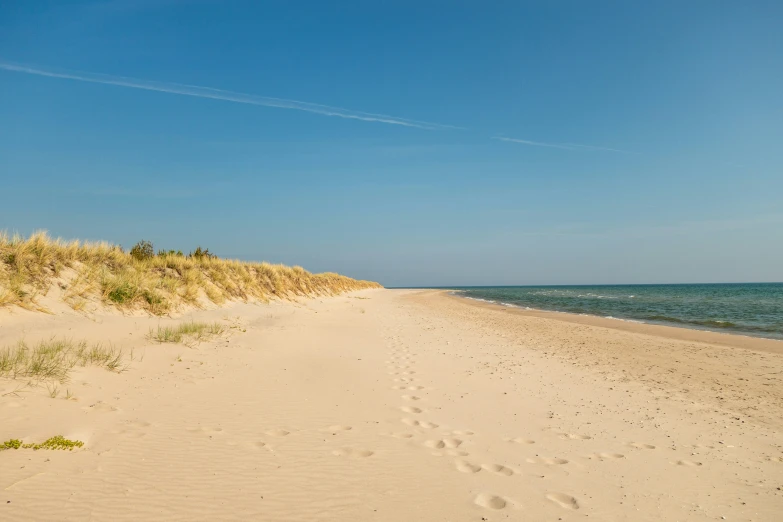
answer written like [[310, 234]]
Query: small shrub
[[200, 253], [142, 250], [123, 293]]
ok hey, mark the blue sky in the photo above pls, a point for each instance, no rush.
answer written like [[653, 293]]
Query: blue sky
[[648, 135]]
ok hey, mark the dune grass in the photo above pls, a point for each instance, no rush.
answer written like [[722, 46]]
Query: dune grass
[[29, 267], [53, 360], [190, 331]]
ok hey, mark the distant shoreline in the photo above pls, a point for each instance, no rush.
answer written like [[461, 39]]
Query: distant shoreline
[[683, 333], [745, 309]]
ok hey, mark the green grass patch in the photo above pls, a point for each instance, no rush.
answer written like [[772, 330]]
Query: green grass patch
[[57, 442]]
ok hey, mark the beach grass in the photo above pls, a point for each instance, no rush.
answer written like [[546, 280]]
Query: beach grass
[[52, 360], [157, 283], [186, 332]]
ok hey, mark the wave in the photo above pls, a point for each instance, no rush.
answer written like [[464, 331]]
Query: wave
[[711, 323]]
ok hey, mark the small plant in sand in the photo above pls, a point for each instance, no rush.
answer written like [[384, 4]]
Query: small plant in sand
[[186, 332], [52, 360], [57, 442]]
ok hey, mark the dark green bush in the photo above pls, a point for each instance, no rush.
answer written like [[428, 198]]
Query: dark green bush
[[142, 250], [200, 253], [123, 293]]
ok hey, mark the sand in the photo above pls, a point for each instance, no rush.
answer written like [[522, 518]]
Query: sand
[[399, 405]]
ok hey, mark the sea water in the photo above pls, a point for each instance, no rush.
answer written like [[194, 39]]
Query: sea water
[[754, 309]]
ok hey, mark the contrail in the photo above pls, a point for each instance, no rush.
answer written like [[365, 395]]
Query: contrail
[[566, 146], [218, 94]]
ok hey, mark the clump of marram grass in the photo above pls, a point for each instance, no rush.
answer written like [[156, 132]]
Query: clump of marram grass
[[190, 331], [53, 360], [141, 280], [58, 442]]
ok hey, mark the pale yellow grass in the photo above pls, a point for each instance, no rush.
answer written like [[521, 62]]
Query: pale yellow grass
[[53, 360], [29, 267], [185, 332]]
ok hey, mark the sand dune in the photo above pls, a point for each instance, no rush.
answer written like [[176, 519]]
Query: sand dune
[[396, 405]]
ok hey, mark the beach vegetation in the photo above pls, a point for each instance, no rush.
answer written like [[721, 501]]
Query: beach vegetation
[[189, 331], [58, 442], [142, 250], [52, 360], [102, 273]]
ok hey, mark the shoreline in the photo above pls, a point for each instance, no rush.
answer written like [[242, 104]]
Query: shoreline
[[683, 333], [684, 365]]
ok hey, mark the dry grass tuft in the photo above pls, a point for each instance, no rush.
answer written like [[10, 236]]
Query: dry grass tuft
[[158, 283], [54, 359], [190, 331]]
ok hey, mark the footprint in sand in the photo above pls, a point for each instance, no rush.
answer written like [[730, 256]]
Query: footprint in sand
[[574, 436], [411, 409], [467, 467], [338, 427], [639, 445], [411, 398], [462, 433], [420, 424], [490, 501], [206, 430], [131, 434], [350, 452], [101, 406], [443, 443], [521, 440], [548, 461], [498, 468], [688, 463], [415, 388], [605, 456], [563, 500], [138, 423], [277, 433]]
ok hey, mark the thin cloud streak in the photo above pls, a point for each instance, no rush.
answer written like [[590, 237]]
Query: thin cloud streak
[[564, 146], [218, 94]]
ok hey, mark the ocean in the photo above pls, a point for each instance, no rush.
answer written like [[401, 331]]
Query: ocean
[[754, 309]]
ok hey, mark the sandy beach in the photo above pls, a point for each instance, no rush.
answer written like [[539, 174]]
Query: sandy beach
[[397, 405]]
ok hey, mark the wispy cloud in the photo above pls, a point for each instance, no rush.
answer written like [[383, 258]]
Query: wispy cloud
[[219, 94], [565, 146]]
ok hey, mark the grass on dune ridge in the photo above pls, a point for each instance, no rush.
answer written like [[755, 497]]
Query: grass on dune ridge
[[29, 267]]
